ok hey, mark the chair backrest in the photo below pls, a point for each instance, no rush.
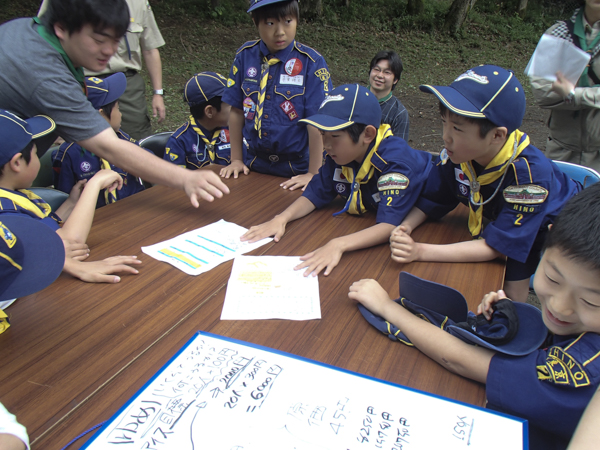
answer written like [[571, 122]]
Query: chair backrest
[[53, 197], [44, 177], [156, 143], [584, 175]]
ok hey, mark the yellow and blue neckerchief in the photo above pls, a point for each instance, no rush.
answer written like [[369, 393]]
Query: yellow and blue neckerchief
[[210, 145], [354, 204], [31, 203], [497, 167]]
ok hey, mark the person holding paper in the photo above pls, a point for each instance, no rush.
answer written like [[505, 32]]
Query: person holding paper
[[574, 123]]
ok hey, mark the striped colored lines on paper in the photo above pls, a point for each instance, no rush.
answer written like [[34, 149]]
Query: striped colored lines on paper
[[217, 243], [203, 247], [181, 257]]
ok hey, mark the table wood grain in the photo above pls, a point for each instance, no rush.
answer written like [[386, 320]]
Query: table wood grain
[[76, 352]]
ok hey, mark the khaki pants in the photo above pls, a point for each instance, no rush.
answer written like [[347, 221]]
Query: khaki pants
[[136, 121]]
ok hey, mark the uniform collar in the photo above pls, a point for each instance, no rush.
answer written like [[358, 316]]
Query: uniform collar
[[282, 55]]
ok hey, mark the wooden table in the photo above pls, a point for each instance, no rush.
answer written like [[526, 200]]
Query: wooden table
[[76, 352]]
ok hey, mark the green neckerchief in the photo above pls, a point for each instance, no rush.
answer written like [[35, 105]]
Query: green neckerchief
[[55, 43], [579, 31], [384, 99]]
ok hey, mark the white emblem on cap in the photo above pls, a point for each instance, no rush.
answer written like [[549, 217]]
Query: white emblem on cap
[[332, 98], [469, 74]]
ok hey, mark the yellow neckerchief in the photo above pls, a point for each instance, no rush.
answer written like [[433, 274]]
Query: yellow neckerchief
[[109, 196], [4, 322], [33, 203], [514, 145], [210, 145], [354, 204], [264, 76]]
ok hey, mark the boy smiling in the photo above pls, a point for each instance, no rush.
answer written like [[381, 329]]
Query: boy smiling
[[365, 165], [551, 386], [489, 165]]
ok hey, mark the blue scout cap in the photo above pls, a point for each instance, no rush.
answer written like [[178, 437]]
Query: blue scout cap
[[344, 106], [32, 255], [102, 91], [255, 4], [16, 133], [489, 92], [515, 329], [204, 86]]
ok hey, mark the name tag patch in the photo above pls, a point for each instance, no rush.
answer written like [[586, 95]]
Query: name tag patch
[[392, 181], [527, 194], [298, 80]]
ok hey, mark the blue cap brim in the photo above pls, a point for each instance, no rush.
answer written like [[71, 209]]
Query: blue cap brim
[[387, 328], [44, 255], [531, 334], [326, 123], [261, 3], [453, 100], [40, 126]]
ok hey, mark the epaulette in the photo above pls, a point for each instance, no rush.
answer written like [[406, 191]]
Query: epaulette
[[378, 162], [62, 151], [126, 137], [183, 129], [522, 171], [308, 51], [247, 45]]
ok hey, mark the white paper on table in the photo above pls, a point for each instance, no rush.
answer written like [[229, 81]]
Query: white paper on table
[[554, 54], [268, 287], [203, 249]]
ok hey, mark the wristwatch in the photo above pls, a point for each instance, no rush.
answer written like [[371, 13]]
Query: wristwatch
[[569, 98], [159, 92]]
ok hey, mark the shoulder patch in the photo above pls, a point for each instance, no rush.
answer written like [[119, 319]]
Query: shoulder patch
[[322, 74], [562, 368], [234, 69], [230, 82], [7, 236], [392, 181], [529, 194]]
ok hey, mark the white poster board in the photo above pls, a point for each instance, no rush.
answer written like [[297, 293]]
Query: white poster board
[[218, 393]]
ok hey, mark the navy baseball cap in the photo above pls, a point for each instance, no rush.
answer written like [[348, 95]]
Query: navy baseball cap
[[255, 4], [515, 329], [203, 86], [16, 133], [102, 91], [344, 106], [487, 91], [32, 255]]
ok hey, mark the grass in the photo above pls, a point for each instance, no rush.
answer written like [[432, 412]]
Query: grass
[[347, 37]]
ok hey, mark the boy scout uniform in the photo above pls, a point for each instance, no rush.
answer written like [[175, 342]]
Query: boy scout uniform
[[297, 81], [186, 148]]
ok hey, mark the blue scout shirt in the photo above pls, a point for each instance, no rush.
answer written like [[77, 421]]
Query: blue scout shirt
[[295, 89], [398, 174], [550, 387], [514, 222], [187, 149], [26, 202], [72, 163]]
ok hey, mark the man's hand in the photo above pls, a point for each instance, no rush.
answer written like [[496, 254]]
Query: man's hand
[[299, 181], [562, 86], [326, 257], [371, 295], [101, 271], [203, 184], [236, 167], [404, 249], [274, 227], [485, 307], [158, 107]]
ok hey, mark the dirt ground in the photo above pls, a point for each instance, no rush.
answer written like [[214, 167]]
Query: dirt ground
[[425, 125]]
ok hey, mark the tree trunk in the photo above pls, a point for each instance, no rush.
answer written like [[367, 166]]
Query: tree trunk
[[457, 14], [311, 8], [415, 7], [522, 8]]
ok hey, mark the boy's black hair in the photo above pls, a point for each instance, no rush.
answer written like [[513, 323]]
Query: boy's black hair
[[485, 125], [100, 14], [25, 153], [393, 59], [107, 109], [355, 130], [279, 10], [197, 110], [576, 229]]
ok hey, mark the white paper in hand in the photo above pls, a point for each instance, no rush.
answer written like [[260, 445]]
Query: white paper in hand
[[554, 54]]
